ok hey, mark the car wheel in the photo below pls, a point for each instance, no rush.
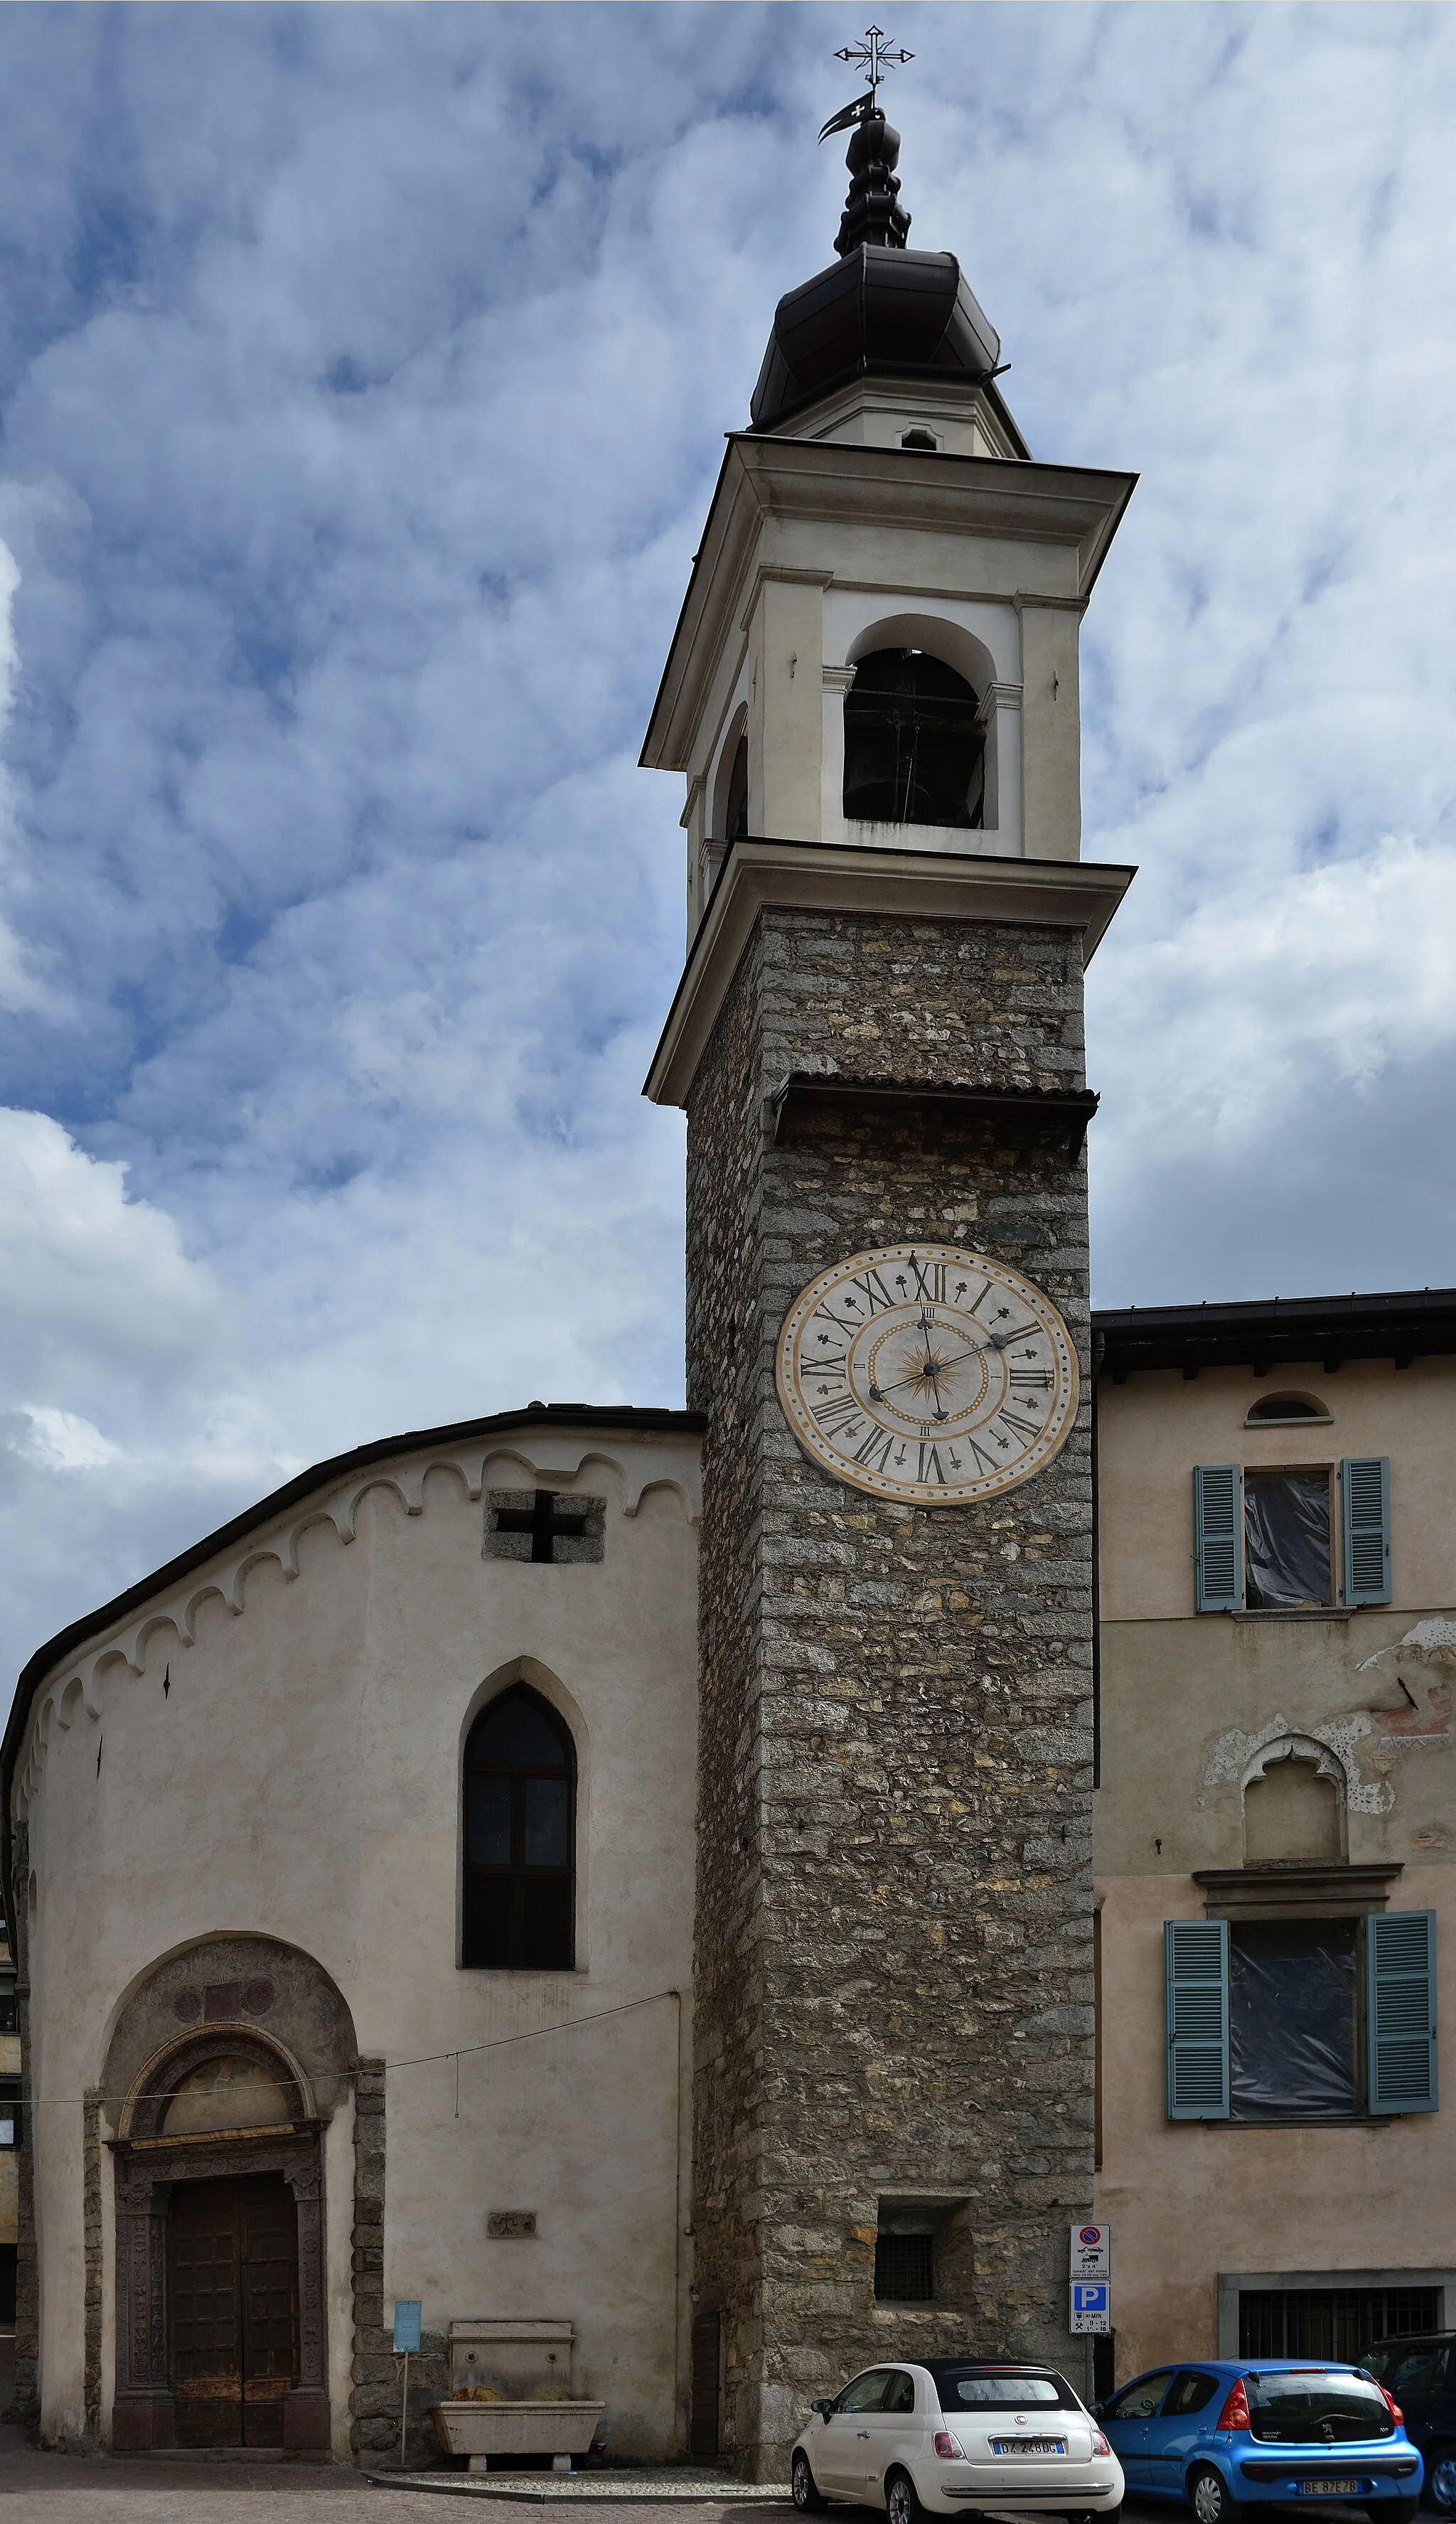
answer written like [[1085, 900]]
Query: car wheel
[[902, 2500], [1209, 2497], [1440, 2479], [808, 2496]]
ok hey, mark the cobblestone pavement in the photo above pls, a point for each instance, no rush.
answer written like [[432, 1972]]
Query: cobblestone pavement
[[60, 2489]]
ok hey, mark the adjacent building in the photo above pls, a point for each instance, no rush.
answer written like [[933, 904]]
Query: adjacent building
[[1276, 1822]]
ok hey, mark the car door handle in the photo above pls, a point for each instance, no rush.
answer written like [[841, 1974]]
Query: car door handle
[[864, 2435]]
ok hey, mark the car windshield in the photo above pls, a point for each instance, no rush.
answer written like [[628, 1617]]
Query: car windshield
[[968, 2391], [1311, 2405]]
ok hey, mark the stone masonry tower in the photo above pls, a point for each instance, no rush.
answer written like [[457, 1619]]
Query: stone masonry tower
[[873, 693]]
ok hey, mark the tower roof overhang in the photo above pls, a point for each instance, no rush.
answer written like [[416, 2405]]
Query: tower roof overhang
[[907, 885], [1044, 530]]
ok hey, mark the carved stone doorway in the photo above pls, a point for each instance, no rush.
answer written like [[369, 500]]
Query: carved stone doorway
[[232, 2308], [150, 2175]]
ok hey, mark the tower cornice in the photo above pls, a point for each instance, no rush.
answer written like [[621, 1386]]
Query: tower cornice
[[911, 885], [787, 504]]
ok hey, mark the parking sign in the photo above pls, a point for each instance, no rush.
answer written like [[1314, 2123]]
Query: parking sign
[[1091, 2251], [1091, 2307]]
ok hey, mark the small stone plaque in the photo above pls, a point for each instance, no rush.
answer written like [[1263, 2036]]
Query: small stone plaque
[[511, 2222]]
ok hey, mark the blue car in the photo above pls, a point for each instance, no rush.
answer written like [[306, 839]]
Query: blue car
[[1228, 2436]]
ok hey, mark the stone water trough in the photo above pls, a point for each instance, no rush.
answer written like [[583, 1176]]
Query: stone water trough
[[511, 2394]]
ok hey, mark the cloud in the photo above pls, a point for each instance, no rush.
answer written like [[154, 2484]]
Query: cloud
[[363, 376]]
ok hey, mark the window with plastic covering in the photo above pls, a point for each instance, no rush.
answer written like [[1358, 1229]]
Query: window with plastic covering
[[1291, 1541], [1300, 2021]]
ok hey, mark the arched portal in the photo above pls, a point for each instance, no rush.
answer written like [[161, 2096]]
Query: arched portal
[[225, 2065]]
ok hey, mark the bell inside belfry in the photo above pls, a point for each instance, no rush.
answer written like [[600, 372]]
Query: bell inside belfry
[[914, 747]]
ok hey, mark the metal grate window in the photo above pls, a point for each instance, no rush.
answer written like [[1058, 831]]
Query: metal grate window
[[1330, 2322], [904, 2269]]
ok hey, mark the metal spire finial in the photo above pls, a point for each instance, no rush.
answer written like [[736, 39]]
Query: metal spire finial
[[872, 212], [873, 56]]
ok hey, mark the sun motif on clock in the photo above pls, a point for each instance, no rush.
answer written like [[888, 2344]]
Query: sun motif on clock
[[922, 1372]]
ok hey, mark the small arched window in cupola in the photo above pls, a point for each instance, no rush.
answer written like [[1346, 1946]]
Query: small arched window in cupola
[[914, 747]]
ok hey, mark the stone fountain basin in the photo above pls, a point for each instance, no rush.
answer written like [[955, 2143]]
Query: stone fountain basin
[[478, 2428]]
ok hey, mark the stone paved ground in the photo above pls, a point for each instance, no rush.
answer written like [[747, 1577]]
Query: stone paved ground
[[56, 2488], [53, 2488]]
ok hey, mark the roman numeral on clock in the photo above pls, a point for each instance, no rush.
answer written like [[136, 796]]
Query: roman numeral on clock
[[1023, 1428], [876, 1295], [875, 1453], [840, 1413], [930, 1281]]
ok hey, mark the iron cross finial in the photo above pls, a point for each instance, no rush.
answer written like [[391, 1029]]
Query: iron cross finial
[[874, 56]]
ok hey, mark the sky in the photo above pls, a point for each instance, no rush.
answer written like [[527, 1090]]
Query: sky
[[364, 372]]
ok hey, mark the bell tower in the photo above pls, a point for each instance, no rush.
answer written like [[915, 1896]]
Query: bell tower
[[872, 693]]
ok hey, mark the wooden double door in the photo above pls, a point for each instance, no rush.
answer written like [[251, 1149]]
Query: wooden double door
[[233, 2305]]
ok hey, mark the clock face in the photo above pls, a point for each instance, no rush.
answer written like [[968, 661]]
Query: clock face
[[923, 1372]]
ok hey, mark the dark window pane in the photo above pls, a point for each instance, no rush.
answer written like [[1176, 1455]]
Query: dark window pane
[[487, 1941], [1192, 2392], [1295, 2410], [736, 820], [1285, 1539], [516, 1728], [548, 1822], [488, 1821], [1142, 2400], [546, 1942], [904, 2268], [1291, 2020]]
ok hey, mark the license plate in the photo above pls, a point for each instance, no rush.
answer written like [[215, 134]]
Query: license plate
[[1327, 2488], [1028, 2445]]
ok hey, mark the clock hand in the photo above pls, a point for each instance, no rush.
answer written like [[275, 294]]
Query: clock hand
[[935, 1366]]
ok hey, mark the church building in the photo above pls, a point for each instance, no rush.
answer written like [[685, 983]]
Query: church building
[[622, 1878]]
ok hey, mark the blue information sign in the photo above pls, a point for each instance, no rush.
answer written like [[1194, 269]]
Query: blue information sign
[[406, 2313]]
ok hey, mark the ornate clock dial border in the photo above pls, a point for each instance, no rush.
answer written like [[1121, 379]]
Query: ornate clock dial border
[[933, 1267]]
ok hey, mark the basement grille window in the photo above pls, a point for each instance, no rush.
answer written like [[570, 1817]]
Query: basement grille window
[[1332, 2322], [904, 2269]]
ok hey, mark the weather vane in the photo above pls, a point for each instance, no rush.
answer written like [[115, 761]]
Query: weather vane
[[874, 56]]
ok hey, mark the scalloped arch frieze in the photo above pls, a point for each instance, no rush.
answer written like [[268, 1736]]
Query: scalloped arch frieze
[[79, 1685]]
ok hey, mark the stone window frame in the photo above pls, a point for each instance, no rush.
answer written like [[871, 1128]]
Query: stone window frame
[[567, 1550]]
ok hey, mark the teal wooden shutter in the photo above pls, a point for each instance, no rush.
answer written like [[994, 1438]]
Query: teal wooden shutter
[[1217, 1496], [1364, 1496], [1195, 1956], [1400, 2009]]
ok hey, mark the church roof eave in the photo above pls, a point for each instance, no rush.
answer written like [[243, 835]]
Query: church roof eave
[[625, 1419]]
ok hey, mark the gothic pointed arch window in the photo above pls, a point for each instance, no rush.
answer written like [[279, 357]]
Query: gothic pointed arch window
[[914, 745], [519, 1890]]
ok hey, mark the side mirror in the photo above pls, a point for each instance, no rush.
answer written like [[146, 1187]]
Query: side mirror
[[1100, 2410], [823, 2406]]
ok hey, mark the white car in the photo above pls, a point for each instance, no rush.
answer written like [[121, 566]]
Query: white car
[[953, 2435]]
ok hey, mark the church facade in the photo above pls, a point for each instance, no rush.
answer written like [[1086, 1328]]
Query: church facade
[[622, 1879]]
